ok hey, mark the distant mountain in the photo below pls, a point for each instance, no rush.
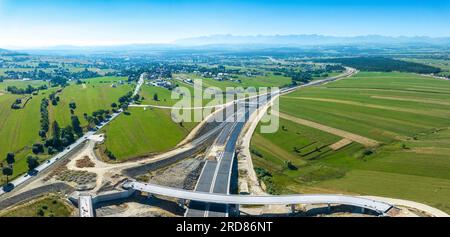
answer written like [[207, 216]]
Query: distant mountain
[[305, 40], [100, 49], [221, 43], [10, 53]]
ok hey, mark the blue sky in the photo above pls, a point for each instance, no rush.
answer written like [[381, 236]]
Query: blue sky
[[30, 23]]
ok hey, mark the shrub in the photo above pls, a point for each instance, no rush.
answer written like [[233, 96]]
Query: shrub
[[256, 153]]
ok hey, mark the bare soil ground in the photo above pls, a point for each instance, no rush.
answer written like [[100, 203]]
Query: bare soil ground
[[85, 162], [340, 144], [367, 142], [182, 174]]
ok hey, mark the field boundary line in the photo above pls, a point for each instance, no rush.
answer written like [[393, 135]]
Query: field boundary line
[[398, 98], [372, 106], [367, 142]]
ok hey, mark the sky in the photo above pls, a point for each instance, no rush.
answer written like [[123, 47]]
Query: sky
[[31, 23]]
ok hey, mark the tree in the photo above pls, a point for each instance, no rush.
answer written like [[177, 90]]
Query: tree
[[110, 154], [38, 148], [114, 105], [67, 136], [40, 212], [72, 105], [33, 162], [56, 130], [42, 133], [76, 126], [10, 158], [7, 171], [155, 97], [289, 165], [56, 135]]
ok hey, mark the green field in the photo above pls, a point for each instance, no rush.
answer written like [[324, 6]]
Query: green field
[[20, 84], [408, 114], [165, 95], [49, 206], [143, 132], [19, 129], [96, 94], [443, 64], [258, 81]]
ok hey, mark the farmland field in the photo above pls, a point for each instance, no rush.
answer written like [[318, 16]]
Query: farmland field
[[96, 94], [407, 114], [20, 129], [20, 84], [164, 95], [22, 126], [443, 64], [143, 132], [257, 81]]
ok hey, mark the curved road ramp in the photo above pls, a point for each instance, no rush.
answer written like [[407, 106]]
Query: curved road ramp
[[380, 207]]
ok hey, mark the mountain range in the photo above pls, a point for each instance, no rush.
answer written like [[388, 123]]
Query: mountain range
[[236, 42], [308, 40]]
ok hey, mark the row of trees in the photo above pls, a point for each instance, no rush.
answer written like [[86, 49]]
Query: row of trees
[[17, 104], [61, 138], [58, 76], [300, 76], [8, 170], [125, 100], [44, 118], [27, 90], [54, 98], [96, 118]]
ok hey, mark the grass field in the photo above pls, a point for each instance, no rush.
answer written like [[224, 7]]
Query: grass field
[[48, 206], [96, 94], [408, 114], [165, 95], [258, 81], [20, 84], [20, 127], [19, 130], [143, 132], [443, 64]]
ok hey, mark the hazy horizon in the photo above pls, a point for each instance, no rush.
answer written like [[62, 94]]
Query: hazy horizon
[[47, 23]]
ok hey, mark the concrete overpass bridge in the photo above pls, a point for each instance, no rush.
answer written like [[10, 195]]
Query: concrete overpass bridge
[[217, 198]]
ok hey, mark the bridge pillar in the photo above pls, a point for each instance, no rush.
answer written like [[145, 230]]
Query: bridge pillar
[[292, 209], [329, 208], [363, 210], [237, 206], [233, 209], [181, 203]]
